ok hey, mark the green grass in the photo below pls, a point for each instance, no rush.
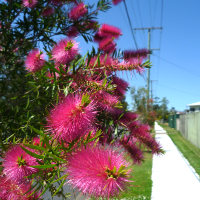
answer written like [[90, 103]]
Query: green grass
[[141, 175], [190, 152]]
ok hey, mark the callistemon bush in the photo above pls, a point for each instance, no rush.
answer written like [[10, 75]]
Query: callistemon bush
[[86, 132]]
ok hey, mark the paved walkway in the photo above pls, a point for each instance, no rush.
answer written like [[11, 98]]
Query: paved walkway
[[173, 178]]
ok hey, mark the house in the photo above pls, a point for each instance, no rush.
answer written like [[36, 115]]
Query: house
[[194, 107]]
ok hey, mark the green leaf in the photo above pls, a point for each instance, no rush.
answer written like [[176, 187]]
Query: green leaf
[[39, 132], [98, 133], [114, 169], [35, 147], [57, 158], [28, 101], [58, 189], [85, 99], [32, 154], [64, 176], [44, 166]]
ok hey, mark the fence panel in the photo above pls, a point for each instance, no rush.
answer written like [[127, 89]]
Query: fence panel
[[189, 126]]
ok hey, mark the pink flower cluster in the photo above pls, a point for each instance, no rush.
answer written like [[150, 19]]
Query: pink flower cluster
[[105, 37], [10, 190], [71, 119], [35, 61], [115, 2], [17, 164], [98, 171], [14, 183], [29, 3], [78, 11], [65, 51]]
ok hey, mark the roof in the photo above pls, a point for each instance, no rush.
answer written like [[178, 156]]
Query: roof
[[194, 104]]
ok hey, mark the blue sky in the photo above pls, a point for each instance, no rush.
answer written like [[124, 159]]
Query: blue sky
[[176, 69]]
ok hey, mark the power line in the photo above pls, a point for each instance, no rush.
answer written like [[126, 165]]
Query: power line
[[137, 22], [130, 24], [161, 34], [123, 14], [178, 66], [182, 91], [154, 10], [161, 20], [150, 14], [140, 16]]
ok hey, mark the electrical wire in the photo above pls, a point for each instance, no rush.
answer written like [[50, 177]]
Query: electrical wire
[[140, 17], [179, 90], [178, 66], [130, 24], [137, 22], [161, 35], [154, 10], [150, 14]]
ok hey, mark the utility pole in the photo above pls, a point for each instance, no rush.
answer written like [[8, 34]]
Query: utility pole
[[152, 88], [149, 48]]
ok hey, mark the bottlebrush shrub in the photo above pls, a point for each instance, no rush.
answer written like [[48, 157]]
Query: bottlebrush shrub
[[86, 132]]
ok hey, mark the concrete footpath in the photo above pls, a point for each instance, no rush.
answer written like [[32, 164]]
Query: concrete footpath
[[173, 178]]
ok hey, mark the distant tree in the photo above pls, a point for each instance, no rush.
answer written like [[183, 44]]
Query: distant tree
[[158, 109], [139, 99]]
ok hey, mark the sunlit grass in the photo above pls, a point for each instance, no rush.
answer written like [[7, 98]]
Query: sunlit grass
[[141, 177]]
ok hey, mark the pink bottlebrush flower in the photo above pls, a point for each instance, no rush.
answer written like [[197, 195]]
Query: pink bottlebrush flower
[[129, 118], [29, 3], [106, 136], [106, 101], [48, 11], [98, 172], [105, 60], [109, 31], [78, 11], [72, 32], [121, 85], [91, 25], [17, 164], [129, 143], [65, 51], [140, 53], [140, 69], [98, 37], [10, 190], [107, 45], [115, 2], [71, 119], [142, 133], [131, 64], [34, 61]]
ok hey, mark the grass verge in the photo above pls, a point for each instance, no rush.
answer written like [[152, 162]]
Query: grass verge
[[190, 152], [141, 175]]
